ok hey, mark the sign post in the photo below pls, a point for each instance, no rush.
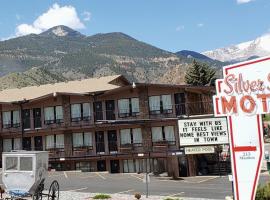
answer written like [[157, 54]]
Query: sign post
[[243, 95]]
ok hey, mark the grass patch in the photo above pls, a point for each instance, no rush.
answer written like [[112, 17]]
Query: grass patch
[[170, 198], [266, 117], [102, 196]]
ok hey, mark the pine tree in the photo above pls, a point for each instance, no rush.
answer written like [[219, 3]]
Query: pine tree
[[199, 74]]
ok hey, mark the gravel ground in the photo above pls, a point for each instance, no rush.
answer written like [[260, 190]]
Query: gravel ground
[[87, 196]]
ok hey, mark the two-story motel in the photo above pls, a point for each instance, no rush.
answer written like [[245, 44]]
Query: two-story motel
[[103, 124]]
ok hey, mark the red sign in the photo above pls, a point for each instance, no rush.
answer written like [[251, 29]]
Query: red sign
[[243, 95]]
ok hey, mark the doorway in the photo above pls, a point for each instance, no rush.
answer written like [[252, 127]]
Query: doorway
[[110, 107], [115, 166], [180, 106], [98, 110], [112, 139], [101, 165], [26, 119], [37, 117], [38, 143], [27, 143], [100, 146]]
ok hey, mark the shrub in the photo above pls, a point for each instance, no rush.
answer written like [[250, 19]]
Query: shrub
[[170, 198], [137, 195], [263, 192], [102, 196]]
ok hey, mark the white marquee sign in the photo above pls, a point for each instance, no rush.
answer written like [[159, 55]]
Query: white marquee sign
[[206, 131]]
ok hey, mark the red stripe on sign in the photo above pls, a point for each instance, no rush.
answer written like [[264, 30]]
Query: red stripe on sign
[[245, 64], [245, 148]]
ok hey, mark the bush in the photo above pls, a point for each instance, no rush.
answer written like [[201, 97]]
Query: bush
[[263, 192], [137, 195], [102, 196], [170, 198]]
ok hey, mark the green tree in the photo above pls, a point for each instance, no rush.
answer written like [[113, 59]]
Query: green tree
[[199, 74]]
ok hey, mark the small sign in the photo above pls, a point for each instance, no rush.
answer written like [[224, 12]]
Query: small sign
[[140, 154], [62, 159], [148, 178], [230, 178], [205, 131], [200, 150]]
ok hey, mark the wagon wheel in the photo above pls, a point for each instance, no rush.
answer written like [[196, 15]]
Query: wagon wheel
[[37, 196], [54, 191], [38, 193]]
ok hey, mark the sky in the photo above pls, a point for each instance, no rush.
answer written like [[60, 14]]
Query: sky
[[172, 25]]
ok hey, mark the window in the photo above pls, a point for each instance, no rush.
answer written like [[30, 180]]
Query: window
[[55, 141], [11, 163], [157, 135], [16, 118], [11, 119], [17, 143], [26, 163], [6, 119], [129, 166], [53, 114], [125, 136], [7, 145], [138, 165], [50, 142], [169, 133], [154, 104], [80, 111], [86, 111], [166, 103], [59, 114], [128, 107], [11, 144], [164, 133], [160, 104], [59, 140], [131, 136], [82, 139]]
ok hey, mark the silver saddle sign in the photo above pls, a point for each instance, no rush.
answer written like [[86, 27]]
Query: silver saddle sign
[[243, 95]]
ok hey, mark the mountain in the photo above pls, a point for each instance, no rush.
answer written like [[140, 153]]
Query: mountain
[[193, 54], [61, 54], [62, 31], [243, 51]]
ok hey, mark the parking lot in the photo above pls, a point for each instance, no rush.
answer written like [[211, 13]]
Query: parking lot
[[209, 187], [94, 182]]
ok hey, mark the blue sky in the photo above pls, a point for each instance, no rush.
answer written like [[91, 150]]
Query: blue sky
[[172, 25]]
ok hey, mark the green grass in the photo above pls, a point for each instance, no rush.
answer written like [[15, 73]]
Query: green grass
[[170, 198], [266, 117], [102, 196]]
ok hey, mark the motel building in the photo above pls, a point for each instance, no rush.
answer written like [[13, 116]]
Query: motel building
[[110, 124]]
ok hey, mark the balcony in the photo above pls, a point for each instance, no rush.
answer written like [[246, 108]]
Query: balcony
[[56, 152], [194, 108], [80, 151]]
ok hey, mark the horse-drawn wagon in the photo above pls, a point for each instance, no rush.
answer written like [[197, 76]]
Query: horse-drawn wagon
[[24, 173]]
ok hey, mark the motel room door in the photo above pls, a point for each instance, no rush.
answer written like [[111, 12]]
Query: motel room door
[[38, 143], [115, 168], [112, 139], [100, 146], [98, 110], [27, 143]]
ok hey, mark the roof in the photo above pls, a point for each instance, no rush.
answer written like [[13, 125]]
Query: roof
[[80, 87], [191, 88]]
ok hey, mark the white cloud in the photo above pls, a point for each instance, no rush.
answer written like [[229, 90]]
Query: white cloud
[[56, 15], [86, 15], [243, 1], [180, 28], [200, 25]]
